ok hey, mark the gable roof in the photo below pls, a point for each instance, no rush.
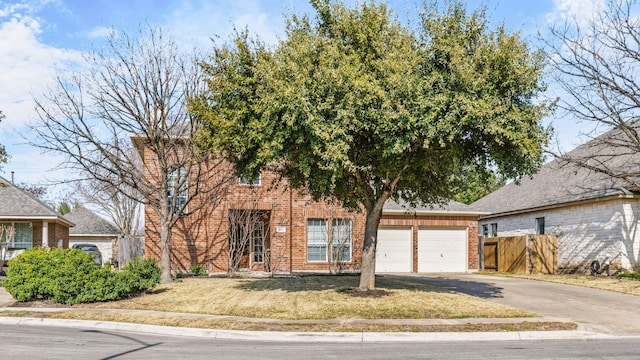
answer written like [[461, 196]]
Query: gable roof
[[89, 223], [450, 208], [560, 183], [16, 203]]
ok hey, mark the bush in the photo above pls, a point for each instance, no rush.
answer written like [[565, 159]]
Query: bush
[[633, 275], [70, 276], [198, 270]]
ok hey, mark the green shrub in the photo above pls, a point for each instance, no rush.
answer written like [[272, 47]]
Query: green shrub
[[70, 276], [198, 270], [633, 275]]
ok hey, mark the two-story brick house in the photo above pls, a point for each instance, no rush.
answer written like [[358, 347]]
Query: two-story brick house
[[263, 225]]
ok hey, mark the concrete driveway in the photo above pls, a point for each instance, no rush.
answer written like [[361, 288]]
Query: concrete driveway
[[594, 310]]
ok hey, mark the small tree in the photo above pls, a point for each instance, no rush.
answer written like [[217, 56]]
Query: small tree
[[340, 244], [135, 89], [248, 229], [354, 106], [123, 204], [3, 152]]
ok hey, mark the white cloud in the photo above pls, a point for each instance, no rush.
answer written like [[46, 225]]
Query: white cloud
[[575, 10], [196, 22], [100, 32], [29, 66]]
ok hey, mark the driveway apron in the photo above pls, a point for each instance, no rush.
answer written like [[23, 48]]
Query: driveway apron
[[594, 310]]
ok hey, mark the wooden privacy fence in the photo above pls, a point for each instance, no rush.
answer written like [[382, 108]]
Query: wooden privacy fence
[[525, 254]]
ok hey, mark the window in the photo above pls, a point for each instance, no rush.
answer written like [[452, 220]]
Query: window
[[494, 229], [249, 182], [258, 242], [316, 240], [540, 226], [485, 230], [177, 189], [341, 240], [17, 235]]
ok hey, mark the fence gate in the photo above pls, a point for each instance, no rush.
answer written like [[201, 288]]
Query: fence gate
[[526, 254], [491, 255]]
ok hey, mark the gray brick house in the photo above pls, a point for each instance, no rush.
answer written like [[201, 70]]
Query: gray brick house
[[27, 222], [593, 214], [90, 228]]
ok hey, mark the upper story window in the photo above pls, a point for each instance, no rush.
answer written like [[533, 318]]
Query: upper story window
[[177, 188], [540, 226], [485, 230], [249, 182], [494, 229]]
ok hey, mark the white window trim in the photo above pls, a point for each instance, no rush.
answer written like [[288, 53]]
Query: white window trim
[[246, 182], [326, 243], [13, 223], [178, 190], [350, 230]]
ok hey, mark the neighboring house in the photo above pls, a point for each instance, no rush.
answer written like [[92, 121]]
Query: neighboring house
[[286, 231], [593, 215], [33, 222], [91, 228]]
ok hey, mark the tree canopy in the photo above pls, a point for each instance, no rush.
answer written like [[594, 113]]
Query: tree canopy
[[353, 105]]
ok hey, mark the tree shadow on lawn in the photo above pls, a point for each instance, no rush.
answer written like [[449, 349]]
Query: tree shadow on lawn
[[385, 285], [478, 289]]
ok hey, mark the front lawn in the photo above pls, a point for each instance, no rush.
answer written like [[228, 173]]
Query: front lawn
[[313, 297]]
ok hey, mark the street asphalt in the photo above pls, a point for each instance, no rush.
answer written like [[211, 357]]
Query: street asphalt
[[599, 314]]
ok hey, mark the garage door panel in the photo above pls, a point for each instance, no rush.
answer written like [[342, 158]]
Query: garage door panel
[[442, 250], [393, 251]]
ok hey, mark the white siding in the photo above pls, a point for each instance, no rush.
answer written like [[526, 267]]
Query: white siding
[[585, 232]]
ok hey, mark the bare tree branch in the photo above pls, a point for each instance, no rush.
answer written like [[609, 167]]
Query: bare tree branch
[[135, 90]]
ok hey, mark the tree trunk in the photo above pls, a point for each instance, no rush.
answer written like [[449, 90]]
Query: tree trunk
[[165, 257], [368, 268]]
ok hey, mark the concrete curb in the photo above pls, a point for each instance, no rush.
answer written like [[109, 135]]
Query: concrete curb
[[277, 336]]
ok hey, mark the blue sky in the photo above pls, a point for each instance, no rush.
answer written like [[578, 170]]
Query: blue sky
[[42, 38]]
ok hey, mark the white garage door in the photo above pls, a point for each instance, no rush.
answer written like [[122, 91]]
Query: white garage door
[[393, 253], [442, 250]]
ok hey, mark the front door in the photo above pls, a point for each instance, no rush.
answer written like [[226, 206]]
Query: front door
[[248, 239]]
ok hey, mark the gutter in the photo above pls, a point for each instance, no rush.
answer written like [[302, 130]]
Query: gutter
[[489, 215], [27, 218], [399, 212]]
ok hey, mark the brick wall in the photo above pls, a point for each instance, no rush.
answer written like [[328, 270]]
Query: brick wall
[[203, 237], [585, 232]]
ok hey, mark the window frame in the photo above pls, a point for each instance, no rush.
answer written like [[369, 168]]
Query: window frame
[[494, 229], [177, 189], [243, 181], [3, 241], [540, 225], [485, 230], [320, 227], [336, 224], [258, 256]]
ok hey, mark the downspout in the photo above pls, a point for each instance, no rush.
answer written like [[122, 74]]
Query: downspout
[[290, 229]]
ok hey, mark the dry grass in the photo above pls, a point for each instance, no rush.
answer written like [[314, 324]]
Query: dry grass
[[610, 283], [297, 327], [312, 297]]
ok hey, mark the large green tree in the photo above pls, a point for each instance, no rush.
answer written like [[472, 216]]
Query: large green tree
[[355, 106]]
